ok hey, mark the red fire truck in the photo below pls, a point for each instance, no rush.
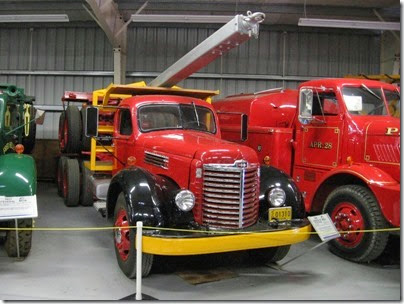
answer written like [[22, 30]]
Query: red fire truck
[[338, 141], [157, 156]]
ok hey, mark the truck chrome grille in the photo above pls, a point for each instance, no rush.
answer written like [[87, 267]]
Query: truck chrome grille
[[156, 159], [230, 196]]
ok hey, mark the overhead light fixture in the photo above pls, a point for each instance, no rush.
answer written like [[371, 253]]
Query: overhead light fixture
[[181, 18], [34, 18], [353, 24]]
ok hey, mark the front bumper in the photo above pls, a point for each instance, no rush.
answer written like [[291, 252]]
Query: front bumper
[[173, 243]]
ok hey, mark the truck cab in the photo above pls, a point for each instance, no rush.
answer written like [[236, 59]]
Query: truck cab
[[170, 169], [339, 141]]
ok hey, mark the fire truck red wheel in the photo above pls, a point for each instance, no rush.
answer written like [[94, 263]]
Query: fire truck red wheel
[[268, 255], [124, 240], [353, 209], [62, 145], [72, 130], [86, 193], [71, 182], [24, 238], [60, 174]]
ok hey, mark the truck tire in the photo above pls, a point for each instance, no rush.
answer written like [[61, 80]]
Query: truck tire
[[124, 240], [61, 132], [268, 255], [354, 208], [60, 174], [72, 130], [29, 141], [85, 141], [71, 183], [86, 193], [24, 238]]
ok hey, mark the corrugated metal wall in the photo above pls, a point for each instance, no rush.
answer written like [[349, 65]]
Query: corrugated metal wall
[[80, 59]]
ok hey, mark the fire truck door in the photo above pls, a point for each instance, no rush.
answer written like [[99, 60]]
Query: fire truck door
[[319, 142], [123, 137]]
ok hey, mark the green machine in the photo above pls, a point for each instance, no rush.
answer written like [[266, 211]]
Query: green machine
[[18, 205]]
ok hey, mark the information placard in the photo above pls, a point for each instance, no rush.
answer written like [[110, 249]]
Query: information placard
[[13, 207], [324, 227]]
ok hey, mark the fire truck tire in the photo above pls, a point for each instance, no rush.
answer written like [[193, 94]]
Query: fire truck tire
[[73, 141], [71, 183], [62, 145], [354, 208], [29, 140], [24, 239], [86, 194], [60, 174], [268, 255], [85, 141], [124, 242]]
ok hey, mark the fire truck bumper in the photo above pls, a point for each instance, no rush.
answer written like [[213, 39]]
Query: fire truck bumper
[[204, 243]]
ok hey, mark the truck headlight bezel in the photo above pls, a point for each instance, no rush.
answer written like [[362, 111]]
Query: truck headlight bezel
[[276, 197], [185, 200]]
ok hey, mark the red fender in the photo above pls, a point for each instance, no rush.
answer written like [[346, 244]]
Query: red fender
[[384, 187]]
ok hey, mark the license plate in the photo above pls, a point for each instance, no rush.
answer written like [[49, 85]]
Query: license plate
[[280, 214]]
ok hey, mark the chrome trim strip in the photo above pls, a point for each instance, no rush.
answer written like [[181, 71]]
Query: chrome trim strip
[[156, 159], [240, 219]]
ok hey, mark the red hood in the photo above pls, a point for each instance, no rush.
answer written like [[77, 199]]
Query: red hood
[[198, 145], [375, 125]]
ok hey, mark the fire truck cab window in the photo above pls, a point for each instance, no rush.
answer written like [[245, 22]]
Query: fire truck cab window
[[159, 117], [393, 100], [325, 102], [125, 123], [169, 116], [364, 101]]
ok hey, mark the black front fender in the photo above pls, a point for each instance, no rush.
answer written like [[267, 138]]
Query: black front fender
[[271, 178], [149, 198]]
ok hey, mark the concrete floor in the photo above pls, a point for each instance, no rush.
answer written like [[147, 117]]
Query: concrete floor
[[82, 266]]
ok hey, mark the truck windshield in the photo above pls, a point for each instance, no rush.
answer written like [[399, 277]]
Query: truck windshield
[[170, 116], [393, 100], [364, 101]]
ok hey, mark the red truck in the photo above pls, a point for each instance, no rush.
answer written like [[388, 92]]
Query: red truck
[[170, 169], [338, 141]]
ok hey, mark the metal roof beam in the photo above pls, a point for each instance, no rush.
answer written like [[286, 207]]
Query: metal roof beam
[[108, 17]]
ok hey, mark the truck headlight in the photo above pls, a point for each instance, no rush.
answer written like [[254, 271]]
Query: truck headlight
[[276, 197], [185, 200]]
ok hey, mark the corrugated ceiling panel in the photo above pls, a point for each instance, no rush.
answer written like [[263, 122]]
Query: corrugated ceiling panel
[[153, 49], [14, 48], [70, 49]]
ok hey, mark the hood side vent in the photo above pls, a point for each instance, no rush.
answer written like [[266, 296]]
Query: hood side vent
[[156, 159], [387, 153]]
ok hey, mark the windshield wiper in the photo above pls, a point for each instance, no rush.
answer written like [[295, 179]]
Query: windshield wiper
[[370, 91], [196, 114]]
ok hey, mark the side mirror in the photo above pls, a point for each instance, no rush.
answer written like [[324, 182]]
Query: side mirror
[[244, 127], [91, 127], [305, 106]]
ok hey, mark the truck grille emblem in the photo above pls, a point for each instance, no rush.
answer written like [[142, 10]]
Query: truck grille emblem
[[241, 164]]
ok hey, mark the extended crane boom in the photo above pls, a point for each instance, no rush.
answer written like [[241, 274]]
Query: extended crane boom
[[232, 34]]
